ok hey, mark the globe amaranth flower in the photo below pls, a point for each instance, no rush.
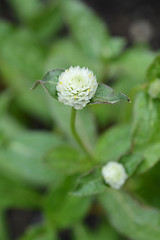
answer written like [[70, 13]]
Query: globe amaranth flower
[[114, 174], [76, 87]]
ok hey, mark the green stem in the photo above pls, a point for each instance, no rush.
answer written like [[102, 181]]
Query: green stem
[[77, 138]]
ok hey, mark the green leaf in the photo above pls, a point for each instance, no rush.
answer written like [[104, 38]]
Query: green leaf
[[82, 232], [145, 127], [9, 126], [27, 10], [17, 194], [23, 157], [20, 68], [139, 222], [5, 99], [153, 71], [6, 30], [115, 47], [89, 184], [35, 103], [146, 186], [68, 160], [146, 130], [154, 88], [131, 162], [47, 22], [151, 155], [113, 144], [129, 70], [39, 232], [63, 210], [49, 82], [87, 29], [106, 94]]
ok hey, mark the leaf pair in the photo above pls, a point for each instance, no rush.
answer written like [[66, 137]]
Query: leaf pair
[[104, 93]]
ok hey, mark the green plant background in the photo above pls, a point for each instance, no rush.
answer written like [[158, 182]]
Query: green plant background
[[41, 166]]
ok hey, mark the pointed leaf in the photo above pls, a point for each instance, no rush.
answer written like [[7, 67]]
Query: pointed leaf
[[39, 232], [113, 144], [63, 210], [23, 157], [106, 94], [68, 160], [131, 162], [49, 82], [129, 217], [153, 71], [83, 24], [89, 184]]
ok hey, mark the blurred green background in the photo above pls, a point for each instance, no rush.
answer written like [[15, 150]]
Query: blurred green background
[[35, 37]]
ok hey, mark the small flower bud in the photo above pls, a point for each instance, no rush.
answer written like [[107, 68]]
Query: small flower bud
[[114, 174], [76, 87]]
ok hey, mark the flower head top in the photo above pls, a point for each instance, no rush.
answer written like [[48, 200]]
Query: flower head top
[[114, 174], [76, 87]]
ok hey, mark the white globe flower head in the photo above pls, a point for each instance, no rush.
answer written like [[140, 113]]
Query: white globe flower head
[[76, 87], [114, 174]]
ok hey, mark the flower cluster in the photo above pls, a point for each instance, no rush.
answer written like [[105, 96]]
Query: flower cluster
[[76, 87], [114, 174]]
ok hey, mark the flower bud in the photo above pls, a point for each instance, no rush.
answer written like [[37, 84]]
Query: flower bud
[[114, 174], [76, 87]]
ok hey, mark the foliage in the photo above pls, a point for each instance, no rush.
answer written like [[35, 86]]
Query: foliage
[[41, 166]]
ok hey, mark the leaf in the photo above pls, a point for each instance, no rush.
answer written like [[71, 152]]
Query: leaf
[[68, 160], [129, 74], [5, 99], [139, 222], [82, 232], [89, 184], [154, 88], [113, 144], [87, 29], [6, 30], [39, 232], [23, 157], [145, 127], [35, 103], [146, 186], [131, 162], [17, 194], [47, 22], [146, 130], [151, 155], [106, 94], [153, 71], [27, 10], [129, 70], [9, 126], [19, 71], [49, 82], [63, 210], [20, 67], [115, 47]]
